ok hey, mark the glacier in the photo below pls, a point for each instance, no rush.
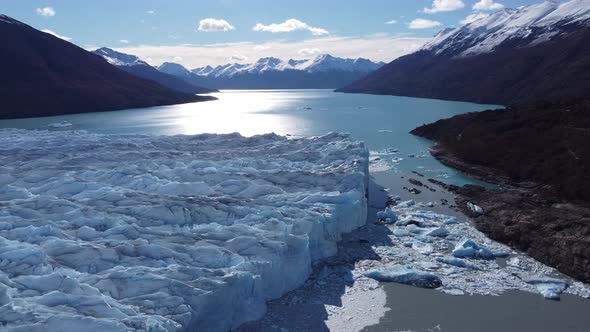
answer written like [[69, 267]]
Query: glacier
[[166, 233]]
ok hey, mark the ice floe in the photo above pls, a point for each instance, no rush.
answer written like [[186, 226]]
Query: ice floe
[[464, 259], [61, 124], [474, 208], [166, 233], [405, 275], [549, 288]]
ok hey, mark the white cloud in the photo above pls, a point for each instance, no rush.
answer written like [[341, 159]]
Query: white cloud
[[56, 35], [46, 11], [288, 26], [421, 23], [238, 57], [391, 22], [473, 17], [124, 41], [308, 51], [215, 25], [177, 59], [377, 47], [151, 12], [444, 6], [488, 5]]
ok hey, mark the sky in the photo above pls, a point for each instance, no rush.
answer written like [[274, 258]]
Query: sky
[[197, 33]]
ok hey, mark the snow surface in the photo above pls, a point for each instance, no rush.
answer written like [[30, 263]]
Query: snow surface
[[538, 22], [320, 63], [166, 233]]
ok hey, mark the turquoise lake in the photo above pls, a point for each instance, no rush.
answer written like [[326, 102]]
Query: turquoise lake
[[383, 122]]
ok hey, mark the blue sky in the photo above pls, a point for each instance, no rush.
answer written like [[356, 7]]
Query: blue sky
[[168, 30]]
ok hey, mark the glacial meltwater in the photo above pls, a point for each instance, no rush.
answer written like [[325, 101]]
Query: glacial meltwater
[[383, 123]]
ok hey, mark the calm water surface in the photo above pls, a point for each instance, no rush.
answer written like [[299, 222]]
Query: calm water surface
[[383, 122]]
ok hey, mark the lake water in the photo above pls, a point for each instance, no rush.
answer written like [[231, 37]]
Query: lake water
[[383, 122]]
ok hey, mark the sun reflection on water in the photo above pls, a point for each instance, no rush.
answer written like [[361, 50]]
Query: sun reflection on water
[[245, 112]]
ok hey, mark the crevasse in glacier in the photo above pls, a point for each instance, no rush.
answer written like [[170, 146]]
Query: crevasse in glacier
[[166, 233]]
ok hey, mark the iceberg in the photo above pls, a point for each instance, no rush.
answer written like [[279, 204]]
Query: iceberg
[[61, 124], [466, 248], [166, 233], [550, 288], [404, 274], [475, 209], [387, 215]]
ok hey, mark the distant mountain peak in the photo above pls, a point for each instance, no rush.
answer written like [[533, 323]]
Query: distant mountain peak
[[512, 56], [43, 75], [322, 62], [119, 59], [133, 65], [542, 20]]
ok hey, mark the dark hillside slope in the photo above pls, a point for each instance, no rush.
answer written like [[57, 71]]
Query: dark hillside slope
[[509, 75], [548, 143], [43, 75]]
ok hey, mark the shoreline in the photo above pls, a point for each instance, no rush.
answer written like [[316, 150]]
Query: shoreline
[[526, 216]]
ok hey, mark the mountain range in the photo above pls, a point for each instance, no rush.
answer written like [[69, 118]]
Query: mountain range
[[137, 67], [323, 71], [509, 57], [43, 75]]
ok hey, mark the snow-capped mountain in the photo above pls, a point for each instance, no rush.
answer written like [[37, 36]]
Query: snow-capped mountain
[[119, 59], [174, 69], [535, 23], [324, 71], [321, 63], [134, 65], [511, 56]]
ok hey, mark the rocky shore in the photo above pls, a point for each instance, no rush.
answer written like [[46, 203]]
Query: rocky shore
[[526, 216]]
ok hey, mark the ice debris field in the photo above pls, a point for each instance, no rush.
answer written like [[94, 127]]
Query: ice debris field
[[433, 250], [166, 233]]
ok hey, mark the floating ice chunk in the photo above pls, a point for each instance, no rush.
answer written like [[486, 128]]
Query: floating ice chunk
[[468, 248], [456, 262], [406, 204], [437, 232], [61, 124], [550, 288], [453, 291], [401, 232], [501, 253], [405, 275], [514, 261], [387, 215], [450, 221], [423, 248], [475, 209]]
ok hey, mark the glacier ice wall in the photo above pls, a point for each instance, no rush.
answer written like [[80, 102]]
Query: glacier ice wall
[[166, 233]]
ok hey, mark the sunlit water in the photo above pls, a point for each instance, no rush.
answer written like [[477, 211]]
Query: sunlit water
[[383, 122]]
